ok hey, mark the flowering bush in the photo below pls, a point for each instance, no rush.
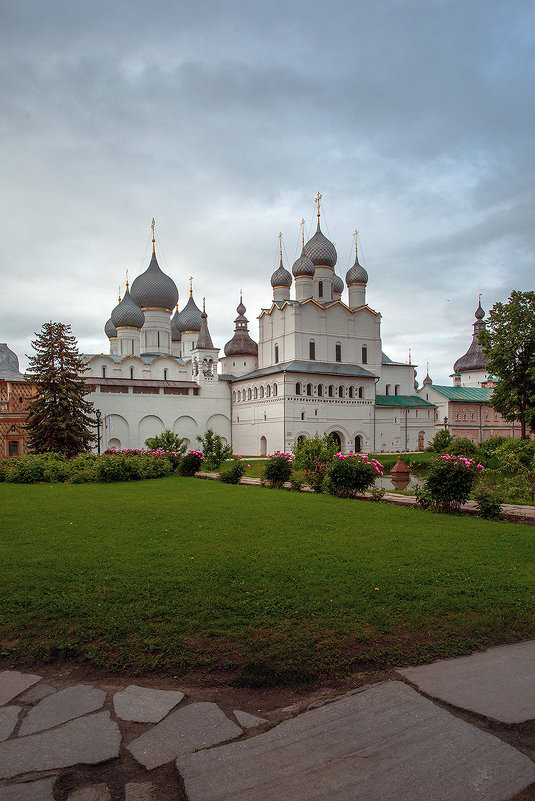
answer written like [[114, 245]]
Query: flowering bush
[[350, 474], [233, 475], [190, 463], [278, 469], [450, 482]]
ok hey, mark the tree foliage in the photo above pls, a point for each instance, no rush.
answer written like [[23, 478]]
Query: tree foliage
[[215, 451], [60, 419], [167, 441], [509, 344]]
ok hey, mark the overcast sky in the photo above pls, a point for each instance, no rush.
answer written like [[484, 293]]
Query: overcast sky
[[413, 118]]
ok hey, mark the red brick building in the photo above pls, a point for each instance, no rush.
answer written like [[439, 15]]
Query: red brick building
[[15, 392]]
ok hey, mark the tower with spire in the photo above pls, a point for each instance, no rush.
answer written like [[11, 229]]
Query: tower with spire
[[470, 370]]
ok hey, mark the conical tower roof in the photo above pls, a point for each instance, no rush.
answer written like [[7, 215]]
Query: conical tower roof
[[204, 340], [241, 343], [474, 358]]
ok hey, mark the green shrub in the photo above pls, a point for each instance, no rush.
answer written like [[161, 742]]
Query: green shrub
[[215, 452], [441, 441], [233, 475], [462, 446], [278, 469], [296, 483], [155, 465], [489, 503], [487, 448], [25, 469], [115, 467], [82, 469], [190, 463], [349, 475], [167, 441], [450, 482], [307, 452]]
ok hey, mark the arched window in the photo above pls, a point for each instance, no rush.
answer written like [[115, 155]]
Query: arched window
[[338, 352], [249, 394], [457, 416], [131, 372], [331, 391], [261, 392], [301, 438], [361, 392], [364, 354], [312, 350], [350, 392], [276, 354], [340, 392], [263, 446], [158, 339], [302, 415], [255, 393], [320, 391], [239, 395], [103, 372], [234, 397], [274, 389], [309, 389], [320, 289], [388, 389], [268, 391], [396, 389], [358, 444], [165, 374], [298, 388]]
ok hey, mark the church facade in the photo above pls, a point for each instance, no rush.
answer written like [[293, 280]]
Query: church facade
[[318, 366]]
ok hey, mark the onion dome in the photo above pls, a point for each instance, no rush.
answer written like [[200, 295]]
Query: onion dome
[[427, 380], [281, 277], [303, 266], [241, 343], [176, 336], [190, 316], [9, 364], [127, 314], [474, 358], [338, 285], [153, 289], [356, 274], [110, 329], [320, 250]]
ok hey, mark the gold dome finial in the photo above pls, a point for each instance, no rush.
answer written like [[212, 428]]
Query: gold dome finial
[[204, 305], [153, 223], [280, 245], [303, 221], [119, 294], [317, 201], [127, 280], [356, 233], [191, 286]]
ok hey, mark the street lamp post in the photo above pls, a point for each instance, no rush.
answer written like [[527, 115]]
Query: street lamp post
[[445, 423]]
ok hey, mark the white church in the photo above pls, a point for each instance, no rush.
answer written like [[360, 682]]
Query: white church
[[318, 366]]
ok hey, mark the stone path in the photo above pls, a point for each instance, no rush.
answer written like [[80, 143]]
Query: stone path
[[382, 742]]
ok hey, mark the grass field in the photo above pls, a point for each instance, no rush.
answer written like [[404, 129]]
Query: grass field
[[257, 586]]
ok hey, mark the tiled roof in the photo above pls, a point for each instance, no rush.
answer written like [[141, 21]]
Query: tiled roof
[[403, 400], [315, 368], [464, 393]]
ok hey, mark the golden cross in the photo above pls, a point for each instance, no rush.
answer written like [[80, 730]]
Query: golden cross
[[153, 223], [119, 293], [280, 245], [191, 286], [303, 221], [356, 245], [317, 201], [127, 280]]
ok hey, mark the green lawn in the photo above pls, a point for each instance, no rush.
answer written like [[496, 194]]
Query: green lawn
[[259, 586]]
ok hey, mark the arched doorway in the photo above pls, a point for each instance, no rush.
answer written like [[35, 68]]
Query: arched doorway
[[421, 435], [336, 436], [263, 446], [358, 444]]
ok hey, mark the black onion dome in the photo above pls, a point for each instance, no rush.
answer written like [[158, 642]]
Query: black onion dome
[[240, 308], [356, 274], [474, 358], [110, 329], [281, 277], [127, 314], [303, 266], [176, 336], [153, 289], [190, 317], [320, 250], [338, 285]]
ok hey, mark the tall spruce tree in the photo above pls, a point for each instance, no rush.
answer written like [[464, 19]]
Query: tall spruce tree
[[509, 344], [60, 418]]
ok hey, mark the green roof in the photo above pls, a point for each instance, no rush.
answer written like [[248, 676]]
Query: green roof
[[463, 393], [403, 400]]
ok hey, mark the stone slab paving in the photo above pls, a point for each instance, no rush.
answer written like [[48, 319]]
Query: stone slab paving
[[498, 683], [198, 725], [70, 703], [246, 720], [145, 705], [40, 790], [12, 683], [95, 792], [386, 743], [37, 693], [87, 740], [9, 716], [140, 791]]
